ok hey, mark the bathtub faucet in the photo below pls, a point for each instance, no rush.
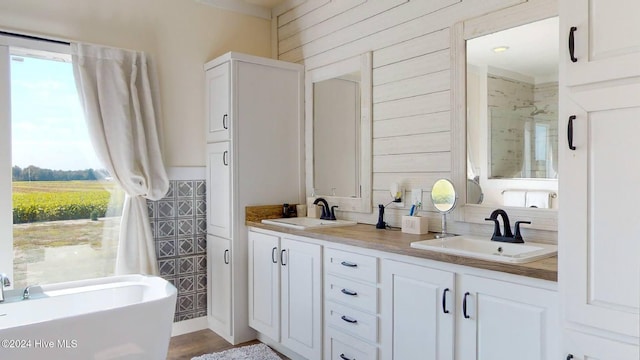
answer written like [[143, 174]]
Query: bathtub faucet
[[4, 282]]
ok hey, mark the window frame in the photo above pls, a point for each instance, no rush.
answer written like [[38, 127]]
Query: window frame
[[6, 202]]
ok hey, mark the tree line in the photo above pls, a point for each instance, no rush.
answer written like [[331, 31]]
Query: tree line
[[34, 173]]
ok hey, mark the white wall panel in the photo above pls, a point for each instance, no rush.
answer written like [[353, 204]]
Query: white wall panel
[[420, 85], [410, 41], [295, 33]]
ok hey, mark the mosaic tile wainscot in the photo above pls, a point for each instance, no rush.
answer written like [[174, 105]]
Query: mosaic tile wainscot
[[179, 224]]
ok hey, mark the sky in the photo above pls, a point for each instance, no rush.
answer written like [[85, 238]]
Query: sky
[[48, 128]]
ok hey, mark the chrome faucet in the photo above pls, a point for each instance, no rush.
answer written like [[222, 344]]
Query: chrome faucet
[[508, 235], [26, 293], [4, 282]]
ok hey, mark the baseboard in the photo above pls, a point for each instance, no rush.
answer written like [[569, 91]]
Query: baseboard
[[279, 347], [188, 326]]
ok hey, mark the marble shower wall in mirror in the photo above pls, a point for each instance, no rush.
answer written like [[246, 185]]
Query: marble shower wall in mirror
[[523, 127]]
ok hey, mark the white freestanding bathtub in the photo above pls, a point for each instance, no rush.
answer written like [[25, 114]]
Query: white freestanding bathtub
[[119, 317]]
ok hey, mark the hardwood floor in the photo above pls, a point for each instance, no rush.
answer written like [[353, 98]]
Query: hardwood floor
[[198, 343]]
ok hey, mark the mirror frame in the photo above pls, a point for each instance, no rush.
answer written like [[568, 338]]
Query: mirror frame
[[362, 63], [533, 10]]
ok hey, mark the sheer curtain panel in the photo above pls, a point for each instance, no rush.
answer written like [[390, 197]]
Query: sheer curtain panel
[[119, 93]]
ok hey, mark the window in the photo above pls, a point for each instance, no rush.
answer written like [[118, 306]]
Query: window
[[64, 214]]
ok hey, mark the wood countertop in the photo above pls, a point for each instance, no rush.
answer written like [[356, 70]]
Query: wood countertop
[[395, 241]]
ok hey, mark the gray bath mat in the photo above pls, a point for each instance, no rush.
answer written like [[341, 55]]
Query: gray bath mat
[[250, 352]]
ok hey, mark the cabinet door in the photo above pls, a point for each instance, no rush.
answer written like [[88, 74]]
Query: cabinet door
[[301, 301], [219, 274], [606, 39], [417, 312], [218, 88], [219, 189], [579, 346], [264, 284], [501, 320], [599, 230]]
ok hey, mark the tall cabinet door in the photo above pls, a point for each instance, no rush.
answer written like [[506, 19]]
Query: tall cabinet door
[[264, 284], [219, 275], [219, 189], [301, 302], [599, 230], [606, 38], [417, 312], [501, 320], [218, 88]]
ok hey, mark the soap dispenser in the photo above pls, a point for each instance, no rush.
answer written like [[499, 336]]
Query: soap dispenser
[[381, 224]]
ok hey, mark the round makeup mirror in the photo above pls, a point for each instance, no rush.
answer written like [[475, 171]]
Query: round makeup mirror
[[443, 196]]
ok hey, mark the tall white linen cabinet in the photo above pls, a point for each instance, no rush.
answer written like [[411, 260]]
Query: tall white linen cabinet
[[255, 156], [598, 227]]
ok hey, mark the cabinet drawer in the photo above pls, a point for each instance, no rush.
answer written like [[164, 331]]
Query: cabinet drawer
[[356, 266], [352, 321], [344, 347], [583, 347], [358, 295]]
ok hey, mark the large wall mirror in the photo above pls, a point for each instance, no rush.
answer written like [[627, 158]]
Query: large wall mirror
[[338, 133], [506, 113]]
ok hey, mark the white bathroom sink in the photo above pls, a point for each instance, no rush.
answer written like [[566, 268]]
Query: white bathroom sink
[[482, 248], [303, 223]]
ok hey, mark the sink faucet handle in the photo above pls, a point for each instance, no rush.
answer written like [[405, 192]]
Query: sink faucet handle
[[333, 212], [518, 236], [496, 228]]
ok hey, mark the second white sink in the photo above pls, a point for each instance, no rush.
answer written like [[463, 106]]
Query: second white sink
[[481, 248], [303, 223]]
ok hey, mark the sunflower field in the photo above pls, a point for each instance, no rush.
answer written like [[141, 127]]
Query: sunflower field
[[65, 200]]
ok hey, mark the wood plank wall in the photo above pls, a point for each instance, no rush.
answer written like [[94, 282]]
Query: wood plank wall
[[410, 41]]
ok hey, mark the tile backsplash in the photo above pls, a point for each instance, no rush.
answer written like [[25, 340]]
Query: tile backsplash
[[179, 225]]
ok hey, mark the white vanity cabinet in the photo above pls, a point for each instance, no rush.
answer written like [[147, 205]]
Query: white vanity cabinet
[[351, 305], [301, 297], [253, 129], [606, 37], [264, 284], [285, 287], [506, 320], [418, 312], [599, 272], [438, 314], [380, 305]]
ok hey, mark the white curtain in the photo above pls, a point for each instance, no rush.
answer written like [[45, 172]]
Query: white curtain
[[118, 91]]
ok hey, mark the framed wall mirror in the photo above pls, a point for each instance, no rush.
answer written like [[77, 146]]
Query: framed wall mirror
[[338, 137], [505, 116]]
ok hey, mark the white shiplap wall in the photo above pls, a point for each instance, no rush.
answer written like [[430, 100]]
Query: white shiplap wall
[[410, 41]]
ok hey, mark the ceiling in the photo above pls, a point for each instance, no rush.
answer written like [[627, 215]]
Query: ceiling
[[263, 3], [258, 8]]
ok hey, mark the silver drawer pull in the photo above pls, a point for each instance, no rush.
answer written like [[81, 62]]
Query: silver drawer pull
[[348, 264], [348, 319], [349, 292]]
